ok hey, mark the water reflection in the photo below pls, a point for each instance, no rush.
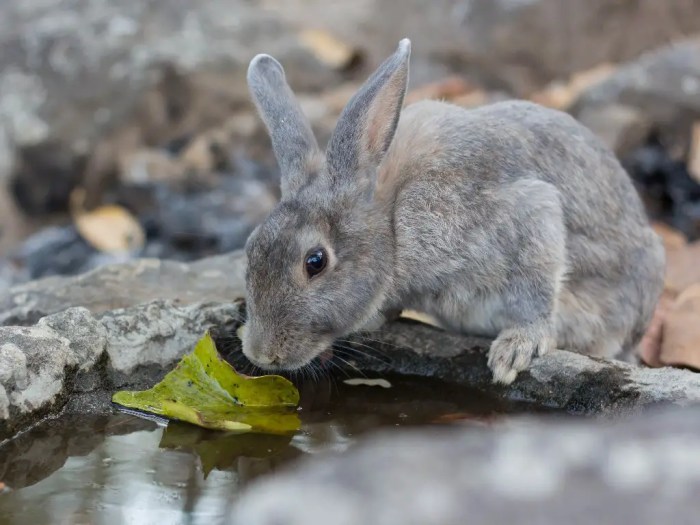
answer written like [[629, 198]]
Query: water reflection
[[116, 469]]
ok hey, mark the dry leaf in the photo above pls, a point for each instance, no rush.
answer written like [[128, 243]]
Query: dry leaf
[[363, 381], [420, 317], [560, 95], [650, 345], [328, 49], [109, 228], [681, 332], [694, 153], [672, 238], [682, 268], [446, 89]]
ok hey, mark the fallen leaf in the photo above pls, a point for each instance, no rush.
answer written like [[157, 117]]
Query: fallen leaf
[[420, 317], [694, 153], [672, 238], [561, 95], [445, 89], [109, 228], [682, 268], [363, 381], [205, 390], [681, 337], [328, 49], [650, 346]]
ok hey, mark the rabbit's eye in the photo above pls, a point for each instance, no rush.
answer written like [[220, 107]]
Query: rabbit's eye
[[316, 261]]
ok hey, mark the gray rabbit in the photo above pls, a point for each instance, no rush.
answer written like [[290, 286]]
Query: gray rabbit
[[511, 221]]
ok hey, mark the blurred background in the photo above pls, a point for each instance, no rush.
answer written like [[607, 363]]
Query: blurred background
[[126, 128]]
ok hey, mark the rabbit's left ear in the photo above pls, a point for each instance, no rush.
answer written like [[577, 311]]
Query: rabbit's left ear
[[367, 124], [293, 141]]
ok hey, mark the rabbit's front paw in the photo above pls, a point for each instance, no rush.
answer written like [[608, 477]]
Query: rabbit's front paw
[[513, 350]]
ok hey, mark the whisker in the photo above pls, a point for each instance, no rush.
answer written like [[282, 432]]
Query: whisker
[[350, 365], [383, 358]]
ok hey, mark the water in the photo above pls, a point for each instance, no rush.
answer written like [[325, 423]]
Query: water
[[113, 469]]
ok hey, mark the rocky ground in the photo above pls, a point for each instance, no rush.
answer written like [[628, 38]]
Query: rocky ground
[[129, 150]]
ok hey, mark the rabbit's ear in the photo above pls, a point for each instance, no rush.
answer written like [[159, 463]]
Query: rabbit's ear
[[293, 141], [367, 124]]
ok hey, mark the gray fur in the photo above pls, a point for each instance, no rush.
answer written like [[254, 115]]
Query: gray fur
[[511, 221]]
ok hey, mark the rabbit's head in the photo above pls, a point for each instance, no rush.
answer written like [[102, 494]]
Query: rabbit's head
[[320, 265]]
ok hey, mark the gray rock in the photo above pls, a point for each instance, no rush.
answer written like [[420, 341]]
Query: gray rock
[[115, 50], [644, 470], [622, 128], [561, 379], [156, 335], [40, 362], [72, 351], [659, 90], [219, 278], [520, 45]]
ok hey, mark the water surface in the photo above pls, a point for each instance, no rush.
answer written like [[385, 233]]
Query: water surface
[[113, 469]]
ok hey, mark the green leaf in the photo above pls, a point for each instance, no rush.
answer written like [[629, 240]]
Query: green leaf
[[205, 390]]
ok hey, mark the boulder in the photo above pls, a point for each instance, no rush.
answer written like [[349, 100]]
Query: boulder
[[111, 287], [643, 470]]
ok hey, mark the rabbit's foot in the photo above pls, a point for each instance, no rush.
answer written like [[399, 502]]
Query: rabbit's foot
[[512, 351]]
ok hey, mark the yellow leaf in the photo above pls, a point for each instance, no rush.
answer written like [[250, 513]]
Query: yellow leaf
[[420, 317], [205, 390], [328, 49], [110, 228]]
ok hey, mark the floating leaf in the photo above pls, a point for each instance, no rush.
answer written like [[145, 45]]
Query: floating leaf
[[363, 381], [205, 390]]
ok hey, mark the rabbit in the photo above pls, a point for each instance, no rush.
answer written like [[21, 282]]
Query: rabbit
[[511, 221]]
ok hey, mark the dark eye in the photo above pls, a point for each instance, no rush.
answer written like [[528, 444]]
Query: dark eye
[[316, 261]]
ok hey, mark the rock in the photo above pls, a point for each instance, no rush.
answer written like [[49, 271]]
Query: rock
[[72, 351], [219, 278], [155, 335], [561, 379], [519, 46], [659, 91], [150, 74], [642, 470], [681, 337], [664, 84], [115, 49], [622, 128], [39, 364]]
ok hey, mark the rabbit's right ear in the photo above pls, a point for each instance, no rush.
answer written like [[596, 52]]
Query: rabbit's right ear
[[293, 142]]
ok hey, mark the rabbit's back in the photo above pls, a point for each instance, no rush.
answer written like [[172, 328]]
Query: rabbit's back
[[456, 177]]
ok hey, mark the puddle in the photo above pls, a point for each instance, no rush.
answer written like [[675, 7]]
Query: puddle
[[114, 469]]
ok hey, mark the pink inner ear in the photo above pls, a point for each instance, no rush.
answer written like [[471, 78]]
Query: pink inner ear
[[380, 117]]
